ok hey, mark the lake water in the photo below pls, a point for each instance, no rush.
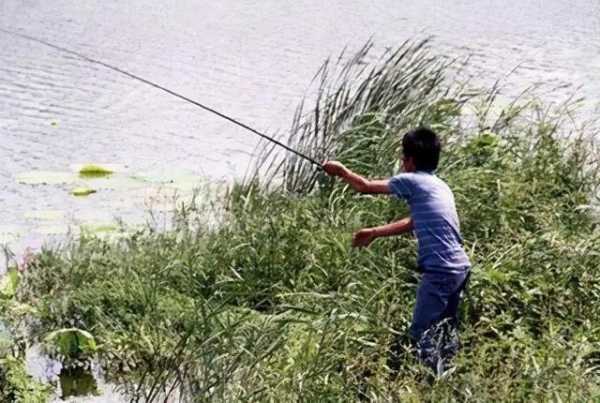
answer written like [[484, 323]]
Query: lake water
[[252, 59]]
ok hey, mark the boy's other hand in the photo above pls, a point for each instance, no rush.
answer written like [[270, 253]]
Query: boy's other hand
[[334, 168], [363, 238]]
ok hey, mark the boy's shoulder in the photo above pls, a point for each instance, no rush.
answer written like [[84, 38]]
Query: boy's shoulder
[[418, 177], [407, 184]]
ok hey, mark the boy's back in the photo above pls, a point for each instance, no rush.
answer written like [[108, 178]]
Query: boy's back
[[435, 221]]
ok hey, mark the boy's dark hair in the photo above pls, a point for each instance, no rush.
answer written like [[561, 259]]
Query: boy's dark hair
[[423, 145]]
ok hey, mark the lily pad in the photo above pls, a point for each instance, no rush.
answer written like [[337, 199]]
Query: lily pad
[[46, 178], [118, 182], [180, 182], [113, 168], [166, 199], [44, 215], [174, 180], [94, 171], [154, 178], [81, 191]]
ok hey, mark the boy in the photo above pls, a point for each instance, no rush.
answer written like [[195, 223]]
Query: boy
[[433, 219]]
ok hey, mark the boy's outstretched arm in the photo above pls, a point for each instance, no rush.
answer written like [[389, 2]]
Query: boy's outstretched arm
[[367, 235], [358, 183]]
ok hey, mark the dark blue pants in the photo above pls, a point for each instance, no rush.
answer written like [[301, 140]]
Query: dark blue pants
[[438, 297]]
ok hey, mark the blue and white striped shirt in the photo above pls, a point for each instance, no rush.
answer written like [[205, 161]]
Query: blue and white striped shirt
[[435, 221]]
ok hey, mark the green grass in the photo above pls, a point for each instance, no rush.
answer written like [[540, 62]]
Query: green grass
[[267, 302]]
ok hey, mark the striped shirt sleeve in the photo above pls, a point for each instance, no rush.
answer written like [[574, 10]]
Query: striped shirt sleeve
[[401, 187]]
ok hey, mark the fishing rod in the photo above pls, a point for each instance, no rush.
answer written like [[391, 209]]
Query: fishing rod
[[168, 91]]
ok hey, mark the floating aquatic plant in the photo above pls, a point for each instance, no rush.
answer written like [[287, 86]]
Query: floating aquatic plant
[[72, 343], [82, 191], [94, 171]]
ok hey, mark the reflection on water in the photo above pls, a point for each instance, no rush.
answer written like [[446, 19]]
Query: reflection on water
[[77, 382]]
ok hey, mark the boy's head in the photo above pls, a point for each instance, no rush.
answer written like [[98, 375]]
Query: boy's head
[[420, 150]]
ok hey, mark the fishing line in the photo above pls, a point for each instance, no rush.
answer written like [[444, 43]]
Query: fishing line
[[168, 91]]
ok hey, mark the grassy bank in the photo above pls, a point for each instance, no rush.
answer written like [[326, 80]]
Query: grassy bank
[[271, 304]]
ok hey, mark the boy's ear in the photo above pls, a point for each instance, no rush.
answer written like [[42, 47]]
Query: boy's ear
[[409, 164]]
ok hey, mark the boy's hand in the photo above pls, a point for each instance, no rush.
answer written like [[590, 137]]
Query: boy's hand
[[364, 237], [334, 168]]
